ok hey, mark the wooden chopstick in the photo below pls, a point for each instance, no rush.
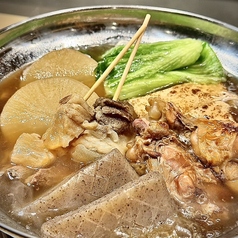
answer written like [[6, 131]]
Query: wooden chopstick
[[119, 56], [127, 68]]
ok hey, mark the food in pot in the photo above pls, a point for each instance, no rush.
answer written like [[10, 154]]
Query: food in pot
[[160, 164]]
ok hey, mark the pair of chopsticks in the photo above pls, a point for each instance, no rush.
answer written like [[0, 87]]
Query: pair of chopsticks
[[135, 39]]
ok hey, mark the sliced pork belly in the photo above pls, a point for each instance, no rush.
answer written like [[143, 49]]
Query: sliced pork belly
[[89, 184], [127, 210]]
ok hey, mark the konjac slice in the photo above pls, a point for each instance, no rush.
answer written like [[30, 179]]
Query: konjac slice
[[127, 211], [61, 63], [32, 108], [89, 184]]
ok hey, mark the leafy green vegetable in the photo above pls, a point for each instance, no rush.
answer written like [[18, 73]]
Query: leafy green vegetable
[[161, 64]]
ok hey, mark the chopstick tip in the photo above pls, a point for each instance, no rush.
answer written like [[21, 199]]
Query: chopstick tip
[[148, 16]]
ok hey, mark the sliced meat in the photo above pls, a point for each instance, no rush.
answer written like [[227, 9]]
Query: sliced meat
[[144, 145], [117, 114], [125, 212], [72, 112], [151, 129], [95, 141], [89, 184]]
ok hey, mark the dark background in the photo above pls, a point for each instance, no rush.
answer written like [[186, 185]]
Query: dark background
[[222, 10]]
